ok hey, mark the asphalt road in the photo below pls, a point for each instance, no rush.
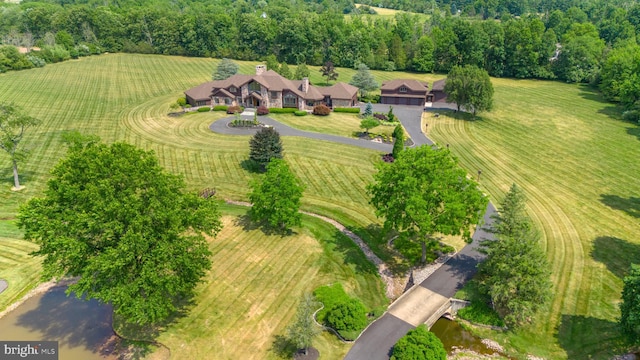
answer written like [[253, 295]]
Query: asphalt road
[[377, 341]]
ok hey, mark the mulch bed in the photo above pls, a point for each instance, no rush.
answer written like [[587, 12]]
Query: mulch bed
[[312, 354]]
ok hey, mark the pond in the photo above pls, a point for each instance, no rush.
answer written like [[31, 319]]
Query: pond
[[82, 328], [453, 335]]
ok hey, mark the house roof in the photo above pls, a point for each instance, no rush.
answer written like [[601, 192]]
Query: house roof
[[411, 84], [273, 82], [339, 91], [439, 85], [200, 92]]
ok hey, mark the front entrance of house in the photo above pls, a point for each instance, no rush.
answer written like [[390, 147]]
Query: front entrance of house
[[254, 100]]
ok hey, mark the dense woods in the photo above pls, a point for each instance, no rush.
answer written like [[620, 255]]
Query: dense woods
[[568, 40]]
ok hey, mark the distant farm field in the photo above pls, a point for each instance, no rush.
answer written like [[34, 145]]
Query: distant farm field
[[566, 147]]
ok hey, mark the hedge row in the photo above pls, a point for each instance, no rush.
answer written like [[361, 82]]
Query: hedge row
[[282, 110], [347, 110], [220, 108], [300, 113]]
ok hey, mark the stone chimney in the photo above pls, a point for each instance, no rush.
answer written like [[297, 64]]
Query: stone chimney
[[260, 69], [305, 85]]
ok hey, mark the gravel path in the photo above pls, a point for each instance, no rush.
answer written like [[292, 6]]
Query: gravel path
[[383, 269]]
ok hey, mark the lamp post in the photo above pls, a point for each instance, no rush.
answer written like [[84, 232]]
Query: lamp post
[[479, 173]]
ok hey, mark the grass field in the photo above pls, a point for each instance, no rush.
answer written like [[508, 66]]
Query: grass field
[[341, 124], [390, 13], [577, 163], [19, 269], [251, 293], [567, 148]]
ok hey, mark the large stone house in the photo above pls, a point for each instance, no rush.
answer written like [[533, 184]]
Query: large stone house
[[404, 92], [270, 89]]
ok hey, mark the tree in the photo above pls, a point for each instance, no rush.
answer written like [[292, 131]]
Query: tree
[[264, 146], [329, 71], [516, 273], [13, 124], [304, 329], [350, 315], [225, 69], [419, 344], [369, 123], [363, 80], [368, 110], [398, 143], [285, 71], [423, 193], [272, 63], [302, 71], [276, 198], [630, 306], [423, 58], [470, 88], [113, 217]]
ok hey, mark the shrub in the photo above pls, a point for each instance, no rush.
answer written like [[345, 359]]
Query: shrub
[[321, 110], [381, 117], [220, 108], [631, 115], [347, 110], [481, 313], [234, 109], [262, 110], [83, 50], [182, 101], [347, 316], [329, 295], [282, 110], [419, 343], [300, 113], [36, 61], [204, 109]]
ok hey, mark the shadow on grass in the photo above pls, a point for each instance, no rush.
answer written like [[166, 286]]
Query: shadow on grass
[[584, 337], [376, 237], [283, 347], [6, 176], [245, 222], [635, 131], [252, 166], [629, 205], [609, 109], [350, 253], [616, 254]]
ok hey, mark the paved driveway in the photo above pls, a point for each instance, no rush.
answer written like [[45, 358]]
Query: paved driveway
[[410, 117], [221, 127]]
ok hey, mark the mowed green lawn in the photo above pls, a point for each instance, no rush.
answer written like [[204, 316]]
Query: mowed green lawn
[[578, 164], [561, 143], [256, 281]]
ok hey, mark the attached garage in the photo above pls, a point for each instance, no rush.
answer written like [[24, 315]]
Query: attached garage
[[404, 92]]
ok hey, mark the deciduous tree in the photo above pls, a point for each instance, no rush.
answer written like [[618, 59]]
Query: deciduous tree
[[225, 69], [264, 146], [329, 71], [302, 71], [276, 197], [304, 329], [419, 344], [516, 273], [470, 88], [368, 123], [13, 124], [113, 217], [424, 192], [630, 306]]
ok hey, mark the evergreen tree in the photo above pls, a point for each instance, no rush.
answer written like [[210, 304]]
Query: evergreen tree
[[264, 146], [363, 80], [225, 69], [368, 110], [516, 273], [272, 63], [398, 144], [285, 71]]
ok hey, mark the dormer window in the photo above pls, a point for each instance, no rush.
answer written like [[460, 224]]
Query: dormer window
[[233, 89], [403, 89]]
